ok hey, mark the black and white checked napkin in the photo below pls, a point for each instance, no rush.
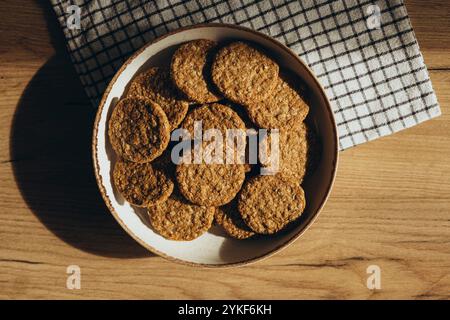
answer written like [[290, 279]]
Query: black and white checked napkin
[[375, 78]]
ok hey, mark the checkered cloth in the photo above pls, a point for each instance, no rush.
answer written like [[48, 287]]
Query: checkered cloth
[[375, 78]]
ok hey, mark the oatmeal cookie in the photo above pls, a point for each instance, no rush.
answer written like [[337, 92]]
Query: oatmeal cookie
[[140, 184], [177, 219], [138, 130], [230, 219], [223, 118], [268, 203], [283, 108], [293, 152], [243, 74], [190, 69], [213, 116], [155, 84], [209, 184]]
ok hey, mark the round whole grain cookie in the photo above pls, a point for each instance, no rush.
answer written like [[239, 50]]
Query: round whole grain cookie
[[293, 152], [138, 130], [155, 84], [283, 108], [207, 183], [230, 219], [190, 68], [177, 219], [243, 74], [213, 116], [222, 118], [140, 184], [268, 203]]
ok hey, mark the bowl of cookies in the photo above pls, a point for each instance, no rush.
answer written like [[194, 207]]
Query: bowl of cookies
[[215, 145]]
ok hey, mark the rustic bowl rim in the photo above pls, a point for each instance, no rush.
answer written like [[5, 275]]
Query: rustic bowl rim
[[275, 250]]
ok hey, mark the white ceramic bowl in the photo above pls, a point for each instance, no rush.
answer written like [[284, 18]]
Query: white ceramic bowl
[[214, 248]]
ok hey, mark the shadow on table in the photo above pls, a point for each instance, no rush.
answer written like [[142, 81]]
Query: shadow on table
[[51, 157]]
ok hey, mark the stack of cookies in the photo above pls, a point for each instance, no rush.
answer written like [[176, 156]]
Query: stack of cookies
[[225, 86]]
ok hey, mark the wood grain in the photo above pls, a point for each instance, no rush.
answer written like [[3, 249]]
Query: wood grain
[[390, 205]]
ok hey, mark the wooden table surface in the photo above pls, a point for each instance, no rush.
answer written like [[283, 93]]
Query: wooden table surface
[[390, 205]]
